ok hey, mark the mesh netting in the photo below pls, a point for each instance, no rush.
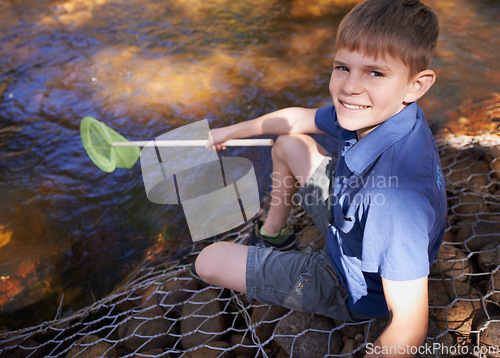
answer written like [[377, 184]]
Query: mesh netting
[[159, 311]]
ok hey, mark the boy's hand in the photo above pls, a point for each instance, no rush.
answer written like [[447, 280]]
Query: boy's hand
[[216, 137], [408, 304]]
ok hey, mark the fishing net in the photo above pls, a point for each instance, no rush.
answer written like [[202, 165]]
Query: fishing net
[[159, 311], [97, 138]]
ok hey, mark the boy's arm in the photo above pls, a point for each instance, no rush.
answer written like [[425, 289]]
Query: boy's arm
[[408, 304], [283, 121]]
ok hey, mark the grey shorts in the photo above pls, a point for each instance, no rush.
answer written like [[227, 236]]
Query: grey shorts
[[305, 282]]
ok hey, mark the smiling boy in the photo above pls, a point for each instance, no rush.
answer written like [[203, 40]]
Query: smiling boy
[[378, 198]]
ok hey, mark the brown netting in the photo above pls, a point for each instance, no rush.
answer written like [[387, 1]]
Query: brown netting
[[161, 312]]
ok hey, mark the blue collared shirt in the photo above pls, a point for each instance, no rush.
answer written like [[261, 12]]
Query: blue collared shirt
[[389, 205]]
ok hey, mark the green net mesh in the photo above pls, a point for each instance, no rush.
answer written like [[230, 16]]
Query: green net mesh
[[97, 138]]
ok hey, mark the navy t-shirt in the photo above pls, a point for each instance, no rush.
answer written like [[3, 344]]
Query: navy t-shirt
[[389, 205]]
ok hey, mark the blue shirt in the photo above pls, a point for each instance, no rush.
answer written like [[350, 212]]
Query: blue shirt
[[389, 205]]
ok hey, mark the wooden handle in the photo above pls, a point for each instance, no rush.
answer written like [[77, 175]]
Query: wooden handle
[[194, 143]]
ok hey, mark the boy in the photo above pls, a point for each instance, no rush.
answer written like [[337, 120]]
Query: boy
[[382, 206]]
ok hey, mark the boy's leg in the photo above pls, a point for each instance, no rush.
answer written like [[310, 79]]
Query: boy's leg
[[223, 264], [295, 158]]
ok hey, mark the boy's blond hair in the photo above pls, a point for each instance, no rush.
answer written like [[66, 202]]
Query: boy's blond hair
[[405, 29]]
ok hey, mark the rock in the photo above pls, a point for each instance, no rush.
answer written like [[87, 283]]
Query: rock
[[469, 204], [293, 334], [351, 330], [21, 348], [203, 312], [211, 350], [152, 353], [150, 301], [494, 286], [264, 318], [495, 166], [90, 347], [470, 173], [490, 331], [359, 338], [488, 259], [376, 328], [281, 354], [138, 331], [349, 346], [451, 263], [479, 179], [433, 331], [449, 236], [242, 346], [177, 292], [478, 234], [458, 315]]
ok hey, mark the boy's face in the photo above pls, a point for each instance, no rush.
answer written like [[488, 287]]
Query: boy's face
[[367, 91]]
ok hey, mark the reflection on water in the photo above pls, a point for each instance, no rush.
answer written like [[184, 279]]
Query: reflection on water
[[68, 232]]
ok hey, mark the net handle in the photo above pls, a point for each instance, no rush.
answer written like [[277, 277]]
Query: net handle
[[194, 143]]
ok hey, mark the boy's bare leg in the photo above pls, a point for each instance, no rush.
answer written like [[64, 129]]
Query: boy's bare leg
[[295, 158], [223, 264]]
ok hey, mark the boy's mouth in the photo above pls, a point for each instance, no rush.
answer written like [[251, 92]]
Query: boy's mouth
[[353, 107]]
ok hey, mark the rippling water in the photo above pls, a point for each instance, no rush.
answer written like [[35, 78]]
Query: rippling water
[[69, 232]]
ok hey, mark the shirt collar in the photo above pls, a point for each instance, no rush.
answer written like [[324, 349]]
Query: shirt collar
[[364, 152]]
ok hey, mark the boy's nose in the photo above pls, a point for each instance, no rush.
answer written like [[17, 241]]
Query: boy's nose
[[353, 84]]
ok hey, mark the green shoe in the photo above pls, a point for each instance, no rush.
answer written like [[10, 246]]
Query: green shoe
[[286, 239], [194, 274]]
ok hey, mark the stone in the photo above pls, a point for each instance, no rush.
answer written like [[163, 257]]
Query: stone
[[488, 259], [359, 337], [242, 346], [478, 234], [494, 286], [150, 301], [90, 347], [177, 292], [449, 236], [479, 179], [21, 348], [264, 318], [147, 332], [212, 349], [294, 334], [461, 313], [490, 332], [349, 346], [470, 173], [451, 262], [375, 329], [152, 353], [203, 312], [469, 204], [445, 340], [495, 166]]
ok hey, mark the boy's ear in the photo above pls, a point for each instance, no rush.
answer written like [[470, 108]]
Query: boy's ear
[[419, 85]]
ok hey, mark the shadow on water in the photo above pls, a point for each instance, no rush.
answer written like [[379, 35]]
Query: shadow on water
[[70, 233]]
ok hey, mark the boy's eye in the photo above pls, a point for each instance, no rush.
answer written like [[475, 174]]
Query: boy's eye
[[341, 68], [376, 74]]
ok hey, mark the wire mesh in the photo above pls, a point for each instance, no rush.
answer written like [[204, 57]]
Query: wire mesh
[[159, 311]]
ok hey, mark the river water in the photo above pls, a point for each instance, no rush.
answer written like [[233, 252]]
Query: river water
[[69, 233]]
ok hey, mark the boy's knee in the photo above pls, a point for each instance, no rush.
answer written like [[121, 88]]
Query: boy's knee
[[284, 143], [206, 262]]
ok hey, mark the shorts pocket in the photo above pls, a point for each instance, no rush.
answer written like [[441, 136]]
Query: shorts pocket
[[317, 289]]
